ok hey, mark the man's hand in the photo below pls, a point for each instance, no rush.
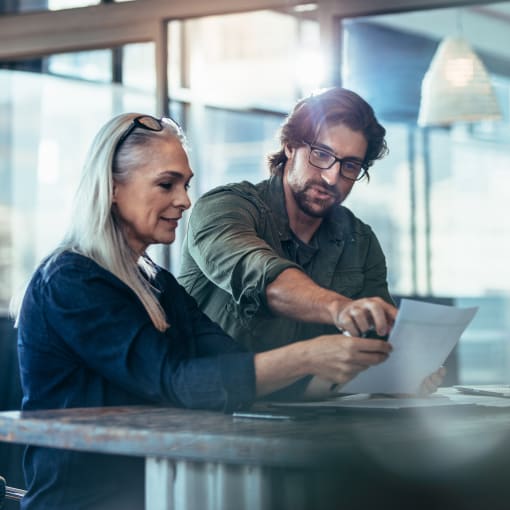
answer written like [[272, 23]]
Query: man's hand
[[361, 315]]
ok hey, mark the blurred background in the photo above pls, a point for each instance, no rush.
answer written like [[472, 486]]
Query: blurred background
[[229, 73]]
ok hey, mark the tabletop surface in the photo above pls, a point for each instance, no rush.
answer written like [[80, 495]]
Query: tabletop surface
[[453, 433]]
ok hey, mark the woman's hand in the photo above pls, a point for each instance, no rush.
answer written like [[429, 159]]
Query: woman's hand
[[335, 358], [432, 382], [339, 358]]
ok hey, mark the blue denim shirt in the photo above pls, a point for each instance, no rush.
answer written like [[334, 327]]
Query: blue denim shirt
[[86, 340]]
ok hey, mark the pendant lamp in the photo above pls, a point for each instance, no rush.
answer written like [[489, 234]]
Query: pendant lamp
[[456, 87]]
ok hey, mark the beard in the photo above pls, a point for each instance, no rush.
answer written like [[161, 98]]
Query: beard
[[314, 206]]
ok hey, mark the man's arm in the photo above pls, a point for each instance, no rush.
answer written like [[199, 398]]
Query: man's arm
[[295, 295], [223, 242]]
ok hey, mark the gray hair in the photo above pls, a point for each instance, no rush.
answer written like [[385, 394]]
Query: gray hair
[[94, 230]]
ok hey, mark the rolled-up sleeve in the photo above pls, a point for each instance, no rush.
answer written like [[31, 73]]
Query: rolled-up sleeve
[[225, 240]]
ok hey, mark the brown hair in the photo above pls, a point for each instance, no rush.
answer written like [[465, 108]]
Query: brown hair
[[328, 107]]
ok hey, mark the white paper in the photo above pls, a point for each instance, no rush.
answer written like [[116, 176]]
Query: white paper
[[479, 400], [365, 401], [422, 337], [443, 397]]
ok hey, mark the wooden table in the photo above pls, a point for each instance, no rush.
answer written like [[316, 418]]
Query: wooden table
[[456, 458]]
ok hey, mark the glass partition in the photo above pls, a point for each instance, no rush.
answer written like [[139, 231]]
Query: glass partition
[[437, 202], [86, 65], [232, 79], [43, 5], [261, 59], [46, 125]]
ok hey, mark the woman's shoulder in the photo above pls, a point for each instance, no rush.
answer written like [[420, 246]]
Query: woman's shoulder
[[60, 275], [69, 273], [69, 267], [65, 261]]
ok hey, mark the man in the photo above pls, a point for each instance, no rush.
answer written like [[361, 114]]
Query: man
[[283, 259]]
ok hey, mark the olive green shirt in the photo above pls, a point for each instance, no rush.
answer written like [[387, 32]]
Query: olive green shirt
[[239, 240]]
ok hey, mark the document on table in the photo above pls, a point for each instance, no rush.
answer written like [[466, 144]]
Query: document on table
[[422, 337], [367, 401]]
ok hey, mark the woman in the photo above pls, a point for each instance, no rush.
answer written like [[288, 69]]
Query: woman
[[102, 325]]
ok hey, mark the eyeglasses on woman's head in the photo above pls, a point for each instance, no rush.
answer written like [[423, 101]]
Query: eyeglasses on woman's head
[[147, 122]]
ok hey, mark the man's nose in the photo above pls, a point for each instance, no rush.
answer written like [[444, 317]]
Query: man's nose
[[331, 175]]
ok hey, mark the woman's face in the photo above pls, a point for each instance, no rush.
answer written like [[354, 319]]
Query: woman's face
[[151, 202]]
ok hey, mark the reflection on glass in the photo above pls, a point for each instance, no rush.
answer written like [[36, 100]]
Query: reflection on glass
[[236, 147], [43, 143], [53, 5], [139, 67], [261, 58], [87, 65], [437, 202]]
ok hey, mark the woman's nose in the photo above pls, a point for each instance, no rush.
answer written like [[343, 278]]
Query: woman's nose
[[186, 201], [182, 200]]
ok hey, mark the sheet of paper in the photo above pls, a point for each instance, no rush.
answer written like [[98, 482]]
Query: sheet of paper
[[480, 400], [365, 401], [422, 337], [489, 390], [443, 397]]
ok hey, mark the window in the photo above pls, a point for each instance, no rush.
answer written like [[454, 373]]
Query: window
[[436, 202], [232, 79], [262, 59], [86, 65], [46, 126], [52, 5]]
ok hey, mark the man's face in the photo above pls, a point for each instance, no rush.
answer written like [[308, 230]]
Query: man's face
[[315, 191]]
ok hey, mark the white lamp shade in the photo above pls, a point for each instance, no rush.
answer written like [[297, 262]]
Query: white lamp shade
[[456, 87]]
